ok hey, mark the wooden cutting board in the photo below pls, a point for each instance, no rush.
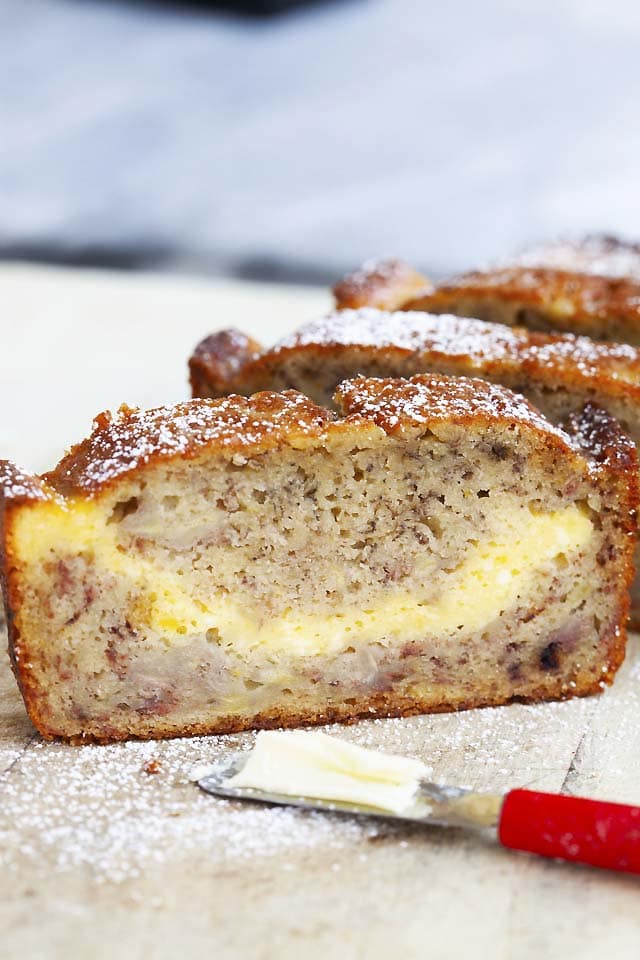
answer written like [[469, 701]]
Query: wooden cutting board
[[112, 851]]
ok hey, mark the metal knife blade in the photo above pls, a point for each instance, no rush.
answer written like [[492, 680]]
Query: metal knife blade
[[434, 803]]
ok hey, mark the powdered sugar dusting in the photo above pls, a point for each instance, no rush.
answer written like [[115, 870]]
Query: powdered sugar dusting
[[588, 357], [384, 268], [600, 255], [598, 434], [487, 348], [134, 437], [586, 301], [17, 485], [120, 809], [412, 331], [431, 398]]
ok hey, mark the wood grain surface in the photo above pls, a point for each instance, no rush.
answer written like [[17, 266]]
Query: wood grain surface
[[113, 851]]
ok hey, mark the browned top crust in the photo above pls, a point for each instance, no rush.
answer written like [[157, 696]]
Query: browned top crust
[[17, 484], [385, 284], [590, 286], [571, 298], [217, 360], [473, 347], [398, 405], [480, 341], [134, 438], [600, 436], [600, 254]]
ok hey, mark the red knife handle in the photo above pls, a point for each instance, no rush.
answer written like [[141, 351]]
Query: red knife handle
[[601, 834]]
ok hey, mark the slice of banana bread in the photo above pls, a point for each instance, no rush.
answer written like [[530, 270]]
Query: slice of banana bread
[[558, 373], [590, 287], [218, 565]]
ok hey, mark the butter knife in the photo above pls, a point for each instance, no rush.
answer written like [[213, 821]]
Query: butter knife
[[557, 826]]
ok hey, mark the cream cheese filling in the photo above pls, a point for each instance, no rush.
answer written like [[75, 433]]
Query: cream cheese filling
[[490, 578]]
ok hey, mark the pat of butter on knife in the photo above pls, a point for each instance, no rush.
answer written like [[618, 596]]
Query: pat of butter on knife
[[315, 765]]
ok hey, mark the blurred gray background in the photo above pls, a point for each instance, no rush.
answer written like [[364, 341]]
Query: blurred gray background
[[295, 146]]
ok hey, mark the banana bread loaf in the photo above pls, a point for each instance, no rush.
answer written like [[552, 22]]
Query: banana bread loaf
[[217, 565]]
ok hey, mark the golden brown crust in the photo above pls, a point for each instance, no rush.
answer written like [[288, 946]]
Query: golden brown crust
[[217, 361], [401, 406], [602, 440], [122, 444], [546, 298], [380, 705], [385, 284], [11, 592], [134, 438], [17, 487]]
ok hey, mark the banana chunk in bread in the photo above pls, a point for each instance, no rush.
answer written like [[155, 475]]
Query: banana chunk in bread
[[590, 287], [219, 565]]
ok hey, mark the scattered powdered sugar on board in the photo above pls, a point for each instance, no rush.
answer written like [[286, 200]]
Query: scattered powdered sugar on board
[[119, 810]]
